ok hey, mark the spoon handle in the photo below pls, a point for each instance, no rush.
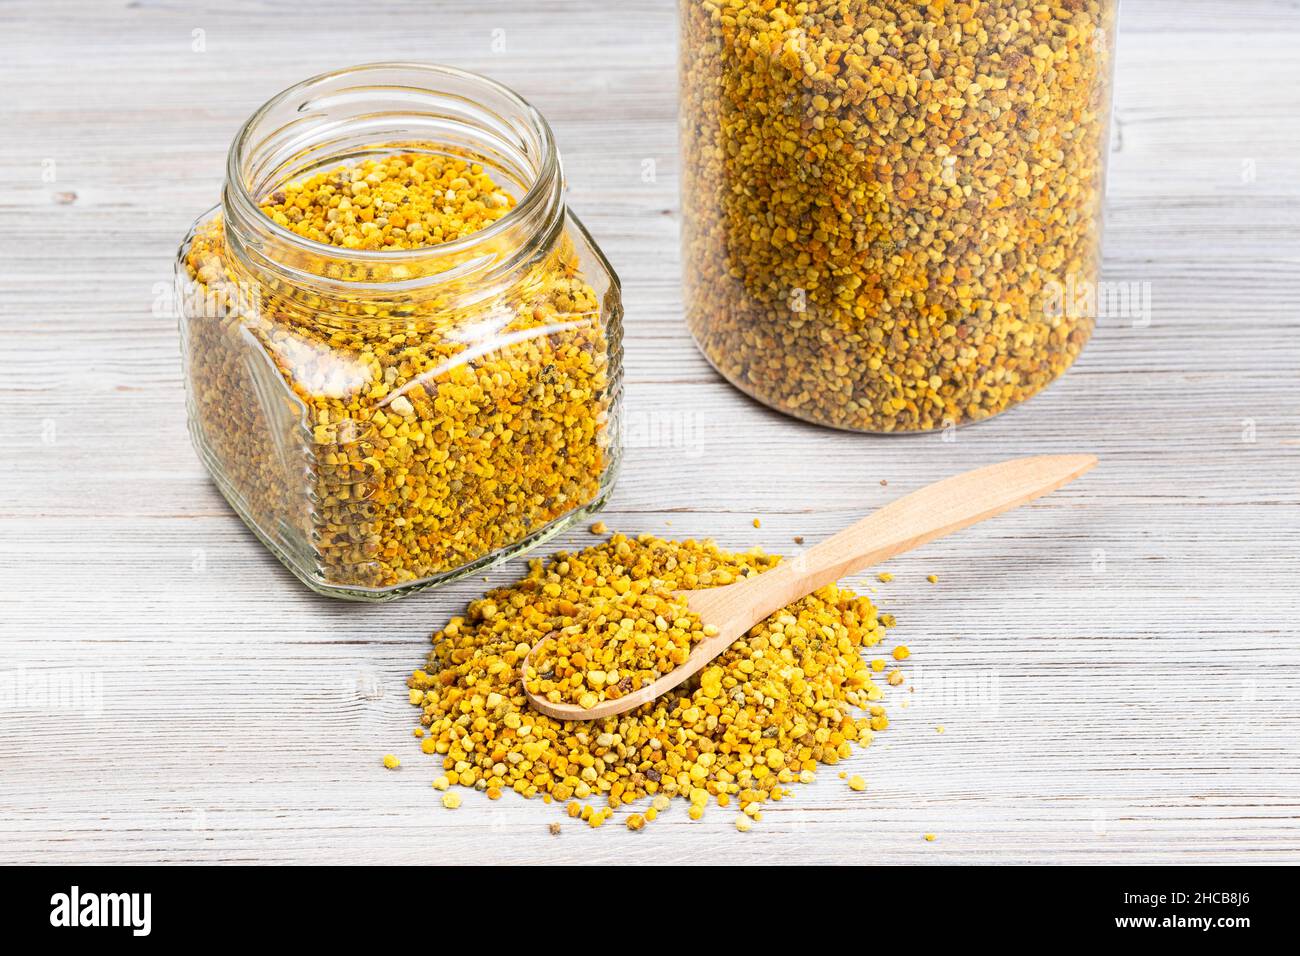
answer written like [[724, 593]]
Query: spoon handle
[[936, 510], [932, 512]]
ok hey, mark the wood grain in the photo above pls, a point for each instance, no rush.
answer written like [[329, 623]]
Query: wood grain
[[1115, 666]]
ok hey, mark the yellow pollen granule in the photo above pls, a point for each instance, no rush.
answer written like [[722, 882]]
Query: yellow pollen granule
[[391, 762]]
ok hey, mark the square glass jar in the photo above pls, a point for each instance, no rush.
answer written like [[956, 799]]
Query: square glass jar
[[386, 420]]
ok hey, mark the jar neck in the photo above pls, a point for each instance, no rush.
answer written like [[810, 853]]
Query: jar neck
[[371, 111]]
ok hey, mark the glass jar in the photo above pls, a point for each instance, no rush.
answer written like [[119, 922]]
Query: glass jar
[[892, 209], [390, 419]]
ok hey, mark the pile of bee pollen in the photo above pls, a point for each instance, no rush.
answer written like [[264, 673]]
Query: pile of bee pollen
[[793, 693]]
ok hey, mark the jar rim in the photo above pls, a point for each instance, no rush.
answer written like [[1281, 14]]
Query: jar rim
[[545, 182]]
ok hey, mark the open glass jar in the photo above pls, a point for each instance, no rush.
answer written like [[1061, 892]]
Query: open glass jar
[[892, 208], [389, 417]]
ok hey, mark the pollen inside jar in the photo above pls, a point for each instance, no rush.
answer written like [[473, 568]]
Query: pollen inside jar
[[402, 364], [407, 201], [889, 204]]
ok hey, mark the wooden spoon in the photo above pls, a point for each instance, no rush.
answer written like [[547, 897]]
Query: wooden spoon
[[934, 511]]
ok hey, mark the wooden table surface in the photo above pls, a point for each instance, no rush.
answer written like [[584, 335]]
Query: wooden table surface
[[1115, 667]]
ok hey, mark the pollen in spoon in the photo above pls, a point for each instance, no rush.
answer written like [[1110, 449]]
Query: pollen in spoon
[[622, 636]]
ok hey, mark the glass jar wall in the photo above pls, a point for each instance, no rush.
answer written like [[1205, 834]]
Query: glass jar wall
[[402, 352], [889, 207]]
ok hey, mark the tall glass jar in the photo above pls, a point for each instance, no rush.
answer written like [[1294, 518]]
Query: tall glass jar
[[892, 209], [386, 419]]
